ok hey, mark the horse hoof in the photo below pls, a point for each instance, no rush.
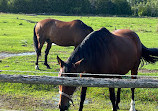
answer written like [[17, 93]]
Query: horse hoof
[[117, 107], [114, 109], [48, 67], [131, 109], [36, 67]]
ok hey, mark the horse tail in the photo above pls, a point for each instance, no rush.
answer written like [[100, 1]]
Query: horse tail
[[38, 52], [150, 55]]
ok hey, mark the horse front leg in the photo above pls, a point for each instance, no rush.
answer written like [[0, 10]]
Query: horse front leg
[[112, 98], [49, 45], [83, 96], [118, 98]]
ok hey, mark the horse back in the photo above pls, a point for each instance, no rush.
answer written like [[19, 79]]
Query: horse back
[[126, 33], [130, 37], [62, 33]]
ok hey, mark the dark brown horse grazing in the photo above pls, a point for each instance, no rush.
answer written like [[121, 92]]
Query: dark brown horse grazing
[[58, 32], [105, 52]]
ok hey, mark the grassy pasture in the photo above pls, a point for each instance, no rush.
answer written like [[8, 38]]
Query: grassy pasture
[[16, 36]]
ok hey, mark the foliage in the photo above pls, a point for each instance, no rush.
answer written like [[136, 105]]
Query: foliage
[[122, 7], [109, 7], [145, 8], [104, 7], [45, 6]]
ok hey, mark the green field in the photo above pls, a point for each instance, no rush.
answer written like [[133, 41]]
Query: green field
[[16, 36]]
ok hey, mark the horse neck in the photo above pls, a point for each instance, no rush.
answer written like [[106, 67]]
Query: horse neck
[[75, 58]]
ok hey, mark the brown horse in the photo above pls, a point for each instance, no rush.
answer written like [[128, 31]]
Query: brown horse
[[105, 53], [58, 32]]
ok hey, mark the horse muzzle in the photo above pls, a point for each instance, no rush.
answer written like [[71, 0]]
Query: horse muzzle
[[63, 108], [65, 105]]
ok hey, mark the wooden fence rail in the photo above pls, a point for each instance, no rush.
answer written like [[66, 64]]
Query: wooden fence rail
[[77, 81]]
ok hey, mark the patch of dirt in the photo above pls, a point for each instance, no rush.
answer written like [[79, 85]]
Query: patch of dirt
[[25, 103], [4, 55]]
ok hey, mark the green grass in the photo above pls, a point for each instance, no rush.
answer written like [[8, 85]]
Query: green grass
[[17, 31], [16, 36]]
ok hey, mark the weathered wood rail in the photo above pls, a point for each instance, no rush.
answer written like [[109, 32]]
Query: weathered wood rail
[[77, 81]]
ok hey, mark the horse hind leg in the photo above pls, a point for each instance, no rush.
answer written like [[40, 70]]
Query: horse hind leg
[[36, 63], [37, 58], [49, 45], [38, 51], [132, 101], [133, 72]]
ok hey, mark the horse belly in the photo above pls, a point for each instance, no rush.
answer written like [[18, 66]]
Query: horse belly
[[61, 37], [62, 40]]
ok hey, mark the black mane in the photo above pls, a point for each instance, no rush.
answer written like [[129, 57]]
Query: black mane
[[92, 47]]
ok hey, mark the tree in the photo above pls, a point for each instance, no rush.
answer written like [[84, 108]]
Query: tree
[[3, 6], [104, 7], [122, 7]]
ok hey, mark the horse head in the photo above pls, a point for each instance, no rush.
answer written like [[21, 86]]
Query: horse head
[[66, 92]]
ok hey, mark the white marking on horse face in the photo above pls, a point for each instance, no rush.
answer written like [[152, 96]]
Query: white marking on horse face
[[132, 106]]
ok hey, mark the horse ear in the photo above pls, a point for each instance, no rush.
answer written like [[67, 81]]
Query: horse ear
[[60, 62], [78, 63]]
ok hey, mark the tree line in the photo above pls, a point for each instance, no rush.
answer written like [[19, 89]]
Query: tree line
[[74, 7]]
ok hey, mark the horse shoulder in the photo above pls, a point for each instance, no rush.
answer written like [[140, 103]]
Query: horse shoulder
[[77, 32]]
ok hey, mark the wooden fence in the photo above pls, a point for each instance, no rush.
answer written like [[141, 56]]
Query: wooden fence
[[77, 81]]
